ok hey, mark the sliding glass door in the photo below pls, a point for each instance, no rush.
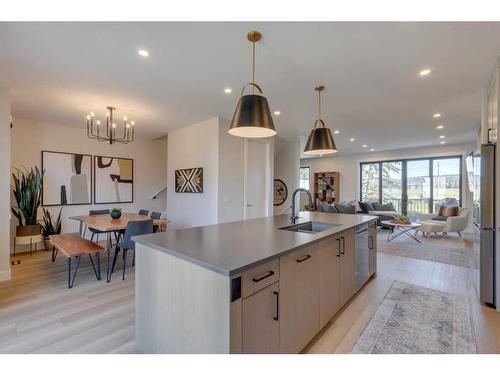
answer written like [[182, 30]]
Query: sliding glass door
[[392, 183], [413, 186]]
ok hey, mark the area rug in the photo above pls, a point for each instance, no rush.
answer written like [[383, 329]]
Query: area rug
[[413, 320], [442, 254]]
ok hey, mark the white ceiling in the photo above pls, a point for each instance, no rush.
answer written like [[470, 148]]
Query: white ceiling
[[59, 72]]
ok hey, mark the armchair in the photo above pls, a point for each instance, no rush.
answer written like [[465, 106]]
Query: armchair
[[452, 223]]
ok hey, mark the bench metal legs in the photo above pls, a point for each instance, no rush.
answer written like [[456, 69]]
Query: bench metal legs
[[95, 265], [54, 253]]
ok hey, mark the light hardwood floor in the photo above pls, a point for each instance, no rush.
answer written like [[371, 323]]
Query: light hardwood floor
[[39, 314]]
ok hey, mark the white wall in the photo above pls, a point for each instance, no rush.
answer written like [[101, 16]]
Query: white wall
[[4, 184], [150, 174], [348, 166], [286, 168], [231, 175], [189, 147]]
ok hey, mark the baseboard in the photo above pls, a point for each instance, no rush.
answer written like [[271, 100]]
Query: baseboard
[[5, 275]]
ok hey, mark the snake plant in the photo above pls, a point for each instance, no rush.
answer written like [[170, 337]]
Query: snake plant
[[27, 192], [50, 227]]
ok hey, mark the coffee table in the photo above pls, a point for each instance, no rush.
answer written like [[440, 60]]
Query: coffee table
[[402, 229]]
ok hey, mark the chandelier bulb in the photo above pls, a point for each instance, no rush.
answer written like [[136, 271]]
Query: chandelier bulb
[[124, 118], [88, 117], [132, 122], [91, 114], [114, 126], [98, 122]]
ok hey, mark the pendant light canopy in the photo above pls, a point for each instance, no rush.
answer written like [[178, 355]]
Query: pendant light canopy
[[320, 140], [252, 117]]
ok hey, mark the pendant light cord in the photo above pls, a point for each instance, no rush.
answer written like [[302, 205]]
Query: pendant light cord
[[253, 67], [319, 105]]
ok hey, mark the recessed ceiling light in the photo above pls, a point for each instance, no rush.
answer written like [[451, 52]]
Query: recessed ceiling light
[[440, 127], [143, 53], [351, 139], [372, 149], [277, 113], [425, 72], [441, 137], [442, 142], [364, 146], [436, 115], [336, 132], [228, 90]]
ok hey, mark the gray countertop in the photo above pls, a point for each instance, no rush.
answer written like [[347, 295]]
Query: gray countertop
[[230, 248]]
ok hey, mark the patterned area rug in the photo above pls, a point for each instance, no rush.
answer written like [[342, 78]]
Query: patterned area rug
[[413, 319], [442, 254]]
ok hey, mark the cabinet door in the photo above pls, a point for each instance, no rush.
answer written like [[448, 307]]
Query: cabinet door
[[299, 297], [260, 321], [347, 265], [329, 279], [372, 246]]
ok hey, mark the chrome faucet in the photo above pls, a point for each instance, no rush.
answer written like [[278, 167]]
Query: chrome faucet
[[293, 217]]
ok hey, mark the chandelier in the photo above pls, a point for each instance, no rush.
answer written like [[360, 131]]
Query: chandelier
[[95, 130]]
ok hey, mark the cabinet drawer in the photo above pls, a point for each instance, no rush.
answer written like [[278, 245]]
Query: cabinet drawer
[[259, 277]]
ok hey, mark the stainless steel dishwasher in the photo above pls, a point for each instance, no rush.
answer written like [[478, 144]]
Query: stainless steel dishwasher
[[362, 257]]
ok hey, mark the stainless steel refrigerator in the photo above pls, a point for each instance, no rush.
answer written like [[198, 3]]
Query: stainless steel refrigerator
[[484, 223]]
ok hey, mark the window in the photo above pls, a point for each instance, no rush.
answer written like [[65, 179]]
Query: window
[[413, 186], [304, 178]]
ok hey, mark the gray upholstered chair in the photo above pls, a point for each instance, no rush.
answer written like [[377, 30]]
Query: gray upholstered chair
[[96, 232], [144, 212], [134, 228], [155, 216]]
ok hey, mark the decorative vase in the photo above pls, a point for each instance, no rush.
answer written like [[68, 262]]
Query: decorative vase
[[116, 214]]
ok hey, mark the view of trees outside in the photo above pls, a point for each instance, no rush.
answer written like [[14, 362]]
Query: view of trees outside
[[445, 181], [304, 178], [369, 182]]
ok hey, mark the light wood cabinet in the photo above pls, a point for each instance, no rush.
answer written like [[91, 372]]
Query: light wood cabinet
[[329, 279], [347, 265], [299, 299], [260, 321]]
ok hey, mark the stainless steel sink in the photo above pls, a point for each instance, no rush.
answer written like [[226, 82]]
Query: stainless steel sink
[[310, 227]]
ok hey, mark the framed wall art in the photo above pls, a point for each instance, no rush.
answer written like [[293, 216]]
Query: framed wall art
[[189, 180], [67, 179], [113, 180]]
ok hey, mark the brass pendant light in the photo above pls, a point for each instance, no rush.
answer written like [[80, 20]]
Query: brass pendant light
[[320, 140], [252, 117]]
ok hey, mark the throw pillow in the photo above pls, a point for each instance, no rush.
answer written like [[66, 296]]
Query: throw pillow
[[345, 209], [440, 218], [366, 207], [441, 211], [383, 207], [319, 205], [452, 211], [329, 208]]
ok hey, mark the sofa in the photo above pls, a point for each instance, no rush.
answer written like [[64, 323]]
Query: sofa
[[434, 223], [382, 211]]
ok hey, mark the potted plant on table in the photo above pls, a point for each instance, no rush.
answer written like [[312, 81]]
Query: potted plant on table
[[27, 193], [50, 227], [116, 213]]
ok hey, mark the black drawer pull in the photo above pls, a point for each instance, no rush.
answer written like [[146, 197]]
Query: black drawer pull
[[277, 317], [343, 246], [304, 259], [269, 274], [338, 247]]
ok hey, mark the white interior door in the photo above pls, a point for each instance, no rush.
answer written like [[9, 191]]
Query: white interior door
[[256, 179]]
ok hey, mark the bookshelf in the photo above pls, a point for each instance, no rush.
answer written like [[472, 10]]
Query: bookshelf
[[326, 187]]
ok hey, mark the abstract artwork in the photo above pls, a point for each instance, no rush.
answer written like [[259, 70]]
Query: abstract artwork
[[113, 180], [67, 179], [189, 180]]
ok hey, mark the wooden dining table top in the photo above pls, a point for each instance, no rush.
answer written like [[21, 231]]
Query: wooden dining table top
[[105, 223]]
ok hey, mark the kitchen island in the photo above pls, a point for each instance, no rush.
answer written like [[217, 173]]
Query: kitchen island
[[255, 286]]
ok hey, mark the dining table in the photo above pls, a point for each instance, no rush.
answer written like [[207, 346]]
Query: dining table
[[105, 223]]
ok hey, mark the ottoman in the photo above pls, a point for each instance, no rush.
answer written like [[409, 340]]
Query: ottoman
[[429, 227]]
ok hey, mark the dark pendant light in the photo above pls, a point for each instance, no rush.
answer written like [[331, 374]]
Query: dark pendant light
[[252, 117], [320, 140]]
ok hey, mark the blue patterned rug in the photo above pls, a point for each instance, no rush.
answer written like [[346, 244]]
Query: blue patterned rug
[[413, 319]]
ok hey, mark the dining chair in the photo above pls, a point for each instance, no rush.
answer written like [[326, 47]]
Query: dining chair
[[134, 228], [95, 232], [144, 212], [155, 216]]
